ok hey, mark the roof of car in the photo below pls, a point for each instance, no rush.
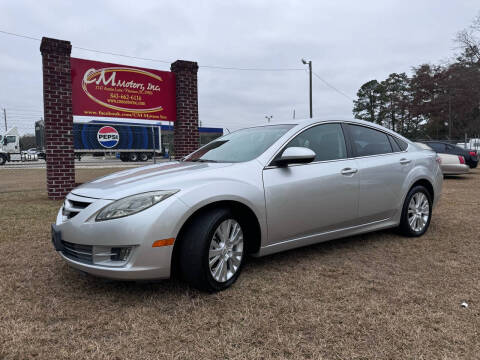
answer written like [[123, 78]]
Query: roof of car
[[309, 121]]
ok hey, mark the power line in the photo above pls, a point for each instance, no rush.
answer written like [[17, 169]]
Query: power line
[[332, 87], [213, 67], [19, 35], [122, 55], [156, 60], [247, 69]]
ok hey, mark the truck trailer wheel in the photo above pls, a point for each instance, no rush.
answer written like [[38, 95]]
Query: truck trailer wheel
[[133, 156], [143, 157]]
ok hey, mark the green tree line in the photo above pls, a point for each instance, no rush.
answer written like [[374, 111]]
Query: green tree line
[[436, 101]]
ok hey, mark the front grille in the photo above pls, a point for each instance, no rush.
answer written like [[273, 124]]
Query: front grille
[[73, 207], [79, 204], [80, 253]]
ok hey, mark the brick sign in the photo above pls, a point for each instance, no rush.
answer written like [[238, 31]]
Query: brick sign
[[82, 88], [122, 92]]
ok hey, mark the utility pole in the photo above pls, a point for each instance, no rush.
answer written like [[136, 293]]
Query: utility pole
[[293, 114], [5, 117], [268, 118], [450, 117], [153, 144], [305, 62]]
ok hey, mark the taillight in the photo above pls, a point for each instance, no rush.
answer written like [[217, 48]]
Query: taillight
[[462, 159], [439, 160], [473, 153]]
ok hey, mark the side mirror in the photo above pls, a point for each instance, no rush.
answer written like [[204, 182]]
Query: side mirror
[[295, 155]]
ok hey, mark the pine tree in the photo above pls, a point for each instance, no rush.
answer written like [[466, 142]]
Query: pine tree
[[367, 106]]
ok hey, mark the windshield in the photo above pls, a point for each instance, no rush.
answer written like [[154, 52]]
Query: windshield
[[241, 145]]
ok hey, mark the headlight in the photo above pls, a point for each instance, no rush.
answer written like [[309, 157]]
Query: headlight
[[133, 204]]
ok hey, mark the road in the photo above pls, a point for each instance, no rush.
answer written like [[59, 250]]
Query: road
[[87, 162]]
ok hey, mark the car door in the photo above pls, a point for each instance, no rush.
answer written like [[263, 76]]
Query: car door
[[11, 144], [382, 171], [304, 200]]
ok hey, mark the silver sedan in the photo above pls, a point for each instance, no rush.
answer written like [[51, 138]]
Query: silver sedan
[[256, 191]]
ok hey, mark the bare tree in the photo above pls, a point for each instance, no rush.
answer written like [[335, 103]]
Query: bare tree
[[469, 40]]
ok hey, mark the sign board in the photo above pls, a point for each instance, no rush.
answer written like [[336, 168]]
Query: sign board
[[104, 90]]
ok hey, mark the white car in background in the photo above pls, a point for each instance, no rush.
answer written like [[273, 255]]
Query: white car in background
[[450, 164]]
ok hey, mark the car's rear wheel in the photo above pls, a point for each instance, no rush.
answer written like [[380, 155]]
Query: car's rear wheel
[[416, 212], [212, 250]]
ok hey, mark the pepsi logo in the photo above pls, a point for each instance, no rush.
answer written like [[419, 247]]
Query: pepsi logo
[[108, 137]]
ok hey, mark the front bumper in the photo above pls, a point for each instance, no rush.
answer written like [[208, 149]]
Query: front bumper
[[137, 232]]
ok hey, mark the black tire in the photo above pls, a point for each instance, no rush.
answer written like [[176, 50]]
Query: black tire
[[3, 160], [133, 156], [404, 226], [143, 157], [194, 250]]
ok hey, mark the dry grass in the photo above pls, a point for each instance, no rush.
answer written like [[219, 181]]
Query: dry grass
[[372, 296]]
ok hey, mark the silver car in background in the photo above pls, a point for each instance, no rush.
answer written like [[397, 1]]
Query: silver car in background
[[256, 191]]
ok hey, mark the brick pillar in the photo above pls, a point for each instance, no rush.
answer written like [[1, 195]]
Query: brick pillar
[[185, 134], [57, 103]]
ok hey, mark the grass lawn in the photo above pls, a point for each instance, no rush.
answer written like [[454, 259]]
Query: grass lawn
[[378, 295]]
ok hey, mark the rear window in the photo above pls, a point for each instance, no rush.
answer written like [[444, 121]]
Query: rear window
[[438, 147]]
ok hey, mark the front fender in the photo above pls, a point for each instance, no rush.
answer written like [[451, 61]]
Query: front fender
[[248, 193]]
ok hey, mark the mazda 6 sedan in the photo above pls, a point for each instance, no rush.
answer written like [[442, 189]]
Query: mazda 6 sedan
[[255, 191]]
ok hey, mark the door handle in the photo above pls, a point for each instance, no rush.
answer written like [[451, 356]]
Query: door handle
[[405, 161], [348, 171]]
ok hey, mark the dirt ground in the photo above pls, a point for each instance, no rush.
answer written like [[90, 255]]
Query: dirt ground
[[378, 295]]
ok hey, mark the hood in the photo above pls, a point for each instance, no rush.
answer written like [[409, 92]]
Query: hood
[[164, 176]]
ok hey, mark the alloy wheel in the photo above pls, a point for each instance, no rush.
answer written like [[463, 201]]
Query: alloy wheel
[[226, 250], [418, 212]]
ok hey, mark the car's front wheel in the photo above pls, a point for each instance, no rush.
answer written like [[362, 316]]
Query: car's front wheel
[[416, 212], [212, 250]]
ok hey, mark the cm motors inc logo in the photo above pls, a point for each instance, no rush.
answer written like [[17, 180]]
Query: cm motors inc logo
[[108, 137]]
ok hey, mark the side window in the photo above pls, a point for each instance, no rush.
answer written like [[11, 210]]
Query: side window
[[367, 141], [326, 141], [395, 146], [403, 145]]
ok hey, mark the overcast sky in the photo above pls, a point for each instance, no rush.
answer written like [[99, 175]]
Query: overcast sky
[[349, 42]]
